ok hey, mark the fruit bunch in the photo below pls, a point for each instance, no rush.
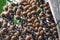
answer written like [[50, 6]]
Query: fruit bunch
[[27, 20]]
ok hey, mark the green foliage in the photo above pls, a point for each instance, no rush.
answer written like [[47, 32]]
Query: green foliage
[[2, 3], [16, 22], [39, 8]]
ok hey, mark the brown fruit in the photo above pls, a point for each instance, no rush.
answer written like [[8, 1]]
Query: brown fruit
[[18, 12], [41, 25], [33, 18], [33, 6], [1, 32], [5, 8], [48, 34], [29, 24], [19, 6], [31, 27], [10, 10], [38, 34], [25, 31], [47, 7], [29, 20], [25, 3], [3, 15], [25, 19], [30, 8], [21, 2], [4, 29], [49, 25], [54, 28], [56, 38], [20, 38], [28, 1], [41, 5], [29, 14], [51, 29], [33, 12], [12, 27], [53, 24], [26, 7], [54, 32], [27, 11], [7, 14], [7, 37], [48, 15], [41, 32], [28, 37], [1, 20], [31, 1], [40, 28], [40, 38], [24, 13], [42, 18], [34, 3], [48, 11], [4, 24], [10, 7], [38, 11], [37, 24], [13, 37], [41, 15], [12, 4], [36, 29], [17, 33]]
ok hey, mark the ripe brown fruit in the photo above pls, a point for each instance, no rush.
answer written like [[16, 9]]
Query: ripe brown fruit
[[18, 12], [12, 27], [41, 5], [28, 37], [7, 37], [47, 7], [35, 21], [24, 13], [40, 28], [38, 11], [38, 34], [48, 11], [53, 24], [48, 15], [42, 18], [17, 33], [4, 24], [40, 38], [29, 14], [5, 8], [48, 34], [3, 15], [41, 15], [33, 18], [1, 32], [13, 37], [41, 32], [29, 20], [26, 7], [13, 4]]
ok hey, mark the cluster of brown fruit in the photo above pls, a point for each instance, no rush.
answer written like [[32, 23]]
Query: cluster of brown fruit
[[36, 19]]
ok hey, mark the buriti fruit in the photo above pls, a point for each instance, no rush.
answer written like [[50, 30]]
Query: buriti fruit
[[27, 20]]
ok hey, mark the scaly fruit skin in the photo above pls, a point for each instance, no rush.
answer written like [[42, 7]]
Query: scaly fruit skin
[[27, 20]]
